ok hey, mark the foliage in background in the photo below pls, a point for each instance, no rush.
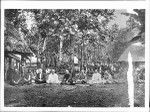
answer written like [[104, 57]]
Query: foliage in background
[[53, 33]]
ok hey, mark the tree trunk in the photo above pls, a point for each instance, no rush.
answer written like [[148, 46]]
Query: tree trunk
[[60, 51], [37, 61], [82, 53]]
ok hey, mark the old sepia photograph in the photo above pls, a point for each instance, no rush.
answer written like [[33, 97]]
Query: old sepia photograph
[[74, 58]]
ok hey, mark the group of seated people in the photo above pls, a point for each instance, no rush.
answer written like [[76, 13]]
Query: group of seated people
[[98, 77], [39, 75], [50, 76], [100, 74]]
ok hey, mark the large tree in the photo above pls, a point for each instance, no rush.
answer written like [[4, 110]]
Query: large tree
[[60, 31], [82, 32]]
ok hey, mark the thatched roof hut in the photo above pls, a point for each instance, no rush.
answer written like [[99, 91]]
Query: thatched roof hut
[[137, 51]]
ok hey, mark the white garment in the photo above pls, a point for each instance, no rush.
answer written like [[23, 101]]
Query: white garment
[[48, 71], [52, 78], [96, 78], [110, 79], [75, 60], [39, 71]]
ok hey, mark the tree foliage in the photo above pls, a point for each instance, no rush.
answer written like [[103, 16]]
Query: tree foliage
[[83, 32]]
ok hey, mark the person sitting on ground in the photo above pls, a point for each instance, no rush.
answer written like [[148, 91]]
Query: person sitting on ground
[[33, 76], [67, 79], [53, 77], [39, 76], [48, 71], [108, 77], [27, 77], [102, 78], [81, 77], [15, 77], [66, 76], [96, 78]]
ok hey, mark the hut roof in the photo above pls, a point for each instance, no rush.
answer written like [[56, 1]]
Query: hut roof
[[17, 55], [137, 51]]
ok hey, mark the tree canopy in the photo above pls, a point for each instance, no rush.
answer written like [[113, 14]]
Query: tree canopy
[[85, 33]]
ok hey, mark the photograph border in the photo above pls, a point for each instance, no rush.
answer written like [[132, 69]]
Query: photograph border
[[77, 5], [76, 0]]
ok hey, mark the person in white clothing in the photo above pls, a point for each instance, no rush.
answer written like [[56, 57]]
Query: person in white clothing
[[39, 72], [96, 78], [40, 78], [48, 72], [53, 77]]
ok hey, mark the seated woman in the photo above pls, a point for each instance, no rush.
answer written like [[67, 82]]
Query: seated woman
[[52, 77], [96, 78]]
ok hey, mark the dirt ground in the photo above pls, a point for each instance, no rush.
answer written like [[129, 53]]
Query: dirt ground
[[54, 95]]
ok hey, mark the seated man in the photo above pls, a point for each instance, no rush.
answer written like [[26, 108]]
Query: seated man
[[33, 76], [27, 77], [16, 78], [48, 71], [52, 77], [39, 76], [108, 77], [81, 78], [66, 77]]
